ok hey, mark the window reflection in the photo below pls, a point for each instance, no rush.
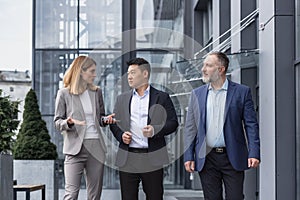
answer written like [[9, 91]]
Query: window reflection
[[100, 24], [56, 25], [60, 25], [159, 24]]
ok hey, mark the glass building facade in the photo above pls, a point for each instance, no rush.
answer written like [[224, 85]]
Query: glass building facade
[[169, 34]]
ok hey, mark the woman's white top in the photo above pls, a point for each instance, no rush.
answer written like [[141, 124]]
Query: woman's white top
[[91, 130]]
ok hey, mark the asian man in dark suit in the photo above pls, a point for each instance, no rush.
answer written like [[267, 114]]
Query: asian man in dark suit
[[145, 116], [221, 131]]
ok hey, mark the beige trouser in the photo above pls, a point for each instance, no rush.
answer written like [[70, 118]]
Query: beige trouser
[[92, 167]]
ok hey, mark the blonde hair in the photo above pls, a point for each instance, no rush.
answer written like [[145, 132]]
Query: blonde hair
[[72, 78]]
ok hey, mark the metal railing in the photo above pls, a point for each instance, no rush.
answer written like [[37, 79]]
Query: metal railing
[[237, 28]]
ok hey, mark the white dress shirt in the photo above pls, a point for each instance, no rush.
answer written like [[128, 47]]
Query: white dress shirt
[[139, 118]]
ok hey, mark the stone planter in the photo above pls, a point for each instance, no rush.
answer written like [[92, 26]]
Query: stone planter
[[37, 172], [6, 177]]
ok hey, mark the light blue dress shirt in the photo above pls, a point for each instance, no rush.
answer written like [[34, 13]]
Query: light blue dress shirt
[[139, 118], [215, 109]]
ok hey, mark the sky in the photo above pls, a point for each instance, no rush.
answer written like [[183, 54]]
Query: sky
[[16, 35]]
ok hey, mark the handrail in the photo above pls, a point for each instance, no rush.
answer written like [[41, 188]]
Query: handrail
[[249, 19], [226, 42]]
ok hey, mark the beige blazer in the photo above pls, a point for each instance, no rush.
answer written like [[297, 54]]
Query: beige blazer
[[70, 105]]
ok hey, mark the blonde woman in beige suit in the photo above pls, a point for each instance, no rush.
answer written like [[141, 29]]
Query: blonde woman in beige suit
[[79, 113]]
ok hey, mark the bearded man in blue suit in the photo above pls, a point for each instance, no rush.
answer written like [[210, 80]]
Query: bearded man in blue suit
[[221, 132]]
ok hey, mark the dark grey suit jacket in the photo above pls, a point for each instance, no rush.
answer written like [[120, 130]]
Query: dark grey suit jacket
[[161, 115]]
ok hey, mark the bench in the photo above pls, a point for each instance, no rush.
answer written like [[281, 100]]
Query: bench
[[28, 189]]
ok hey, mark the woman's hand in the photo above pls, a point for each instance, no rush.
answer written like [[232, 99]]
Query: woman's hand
[[72, 121], [109, 119]]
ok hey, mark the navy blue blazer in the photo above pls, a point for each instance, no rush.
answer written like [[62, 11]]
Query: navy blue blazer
[[161, 115], [240, 129]]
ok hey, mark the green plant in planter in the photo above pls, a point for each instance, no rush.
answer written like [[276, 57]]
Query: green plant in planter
[[8, 122], [33, 140]]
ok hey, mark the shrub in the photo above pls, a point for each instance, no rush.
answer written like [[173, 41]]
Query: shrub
[[8, 122], [33, 140]]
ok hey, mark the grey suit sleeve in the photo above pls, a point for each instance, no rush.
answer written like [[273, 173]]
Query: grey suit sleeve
[[60, 114], [190, 130]]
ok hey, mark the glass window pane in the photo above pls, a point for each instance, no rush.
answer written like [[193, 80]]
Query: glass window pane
[[159, 24], [162, 63], [50, 67], [56, 24], [100, 24]]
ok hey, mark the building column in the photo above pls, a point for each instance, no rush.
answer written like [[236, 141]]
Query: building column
[[128, 37], [277, 99], [235, 19]]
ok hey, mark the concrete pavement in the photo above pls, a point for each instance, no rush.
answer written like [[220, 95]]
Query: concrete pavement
[[170, 194]]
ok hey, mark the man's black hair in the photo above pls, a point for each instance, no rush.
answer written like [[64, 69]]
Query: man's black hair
[[142, 63]]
